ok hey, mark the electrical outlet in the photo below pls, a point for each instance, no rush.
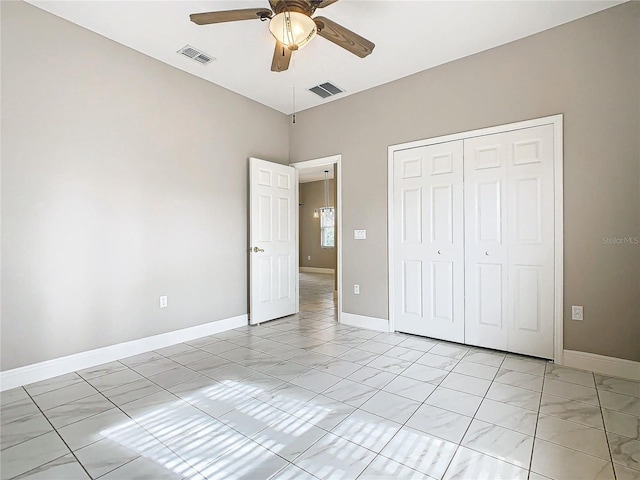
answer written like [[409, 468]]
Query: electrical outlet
[[356, 289], [163, 301], [308, 257], [576, 312]]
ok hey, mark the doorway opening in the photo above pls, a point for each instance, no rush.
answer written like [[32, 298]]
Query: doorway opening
[[319, 238]]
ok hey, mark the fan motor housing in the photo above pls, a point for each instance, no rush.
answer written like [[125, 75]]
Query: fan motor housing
[[300, 6]]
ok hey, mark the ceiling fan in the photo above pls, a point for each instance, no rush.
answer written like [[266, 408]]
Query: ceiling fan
[[291, 24]]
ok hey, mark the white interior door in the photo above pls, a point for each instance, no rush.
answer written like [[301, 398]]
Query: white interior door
[[428, 244], [272, 240], [509, 241]]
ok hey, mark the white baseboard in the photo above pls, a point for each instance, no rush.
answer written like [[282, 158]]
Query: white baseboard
[[317, 270], [616, 367], [361, 321], [78, 361]]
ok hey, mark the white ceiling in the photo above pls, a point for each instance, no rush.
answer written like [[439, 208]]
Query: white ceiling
[[314, 174], [410, 36]]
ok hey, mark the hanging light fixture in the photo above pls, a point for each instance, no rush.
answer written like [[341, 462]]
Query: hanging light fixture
[[292, 29], [317, 211], [326, 189]]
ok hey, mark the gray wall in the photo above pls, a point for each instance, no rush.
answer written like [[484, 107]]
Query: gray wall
[[589, 70], [123, 179], [312, 197]]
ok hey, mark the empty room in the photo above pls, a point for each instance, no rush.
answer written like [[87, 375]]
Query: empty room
[[320, 239]]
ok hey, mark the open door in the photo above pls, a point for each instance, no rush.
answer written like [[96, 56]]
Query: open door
[[272, 241]]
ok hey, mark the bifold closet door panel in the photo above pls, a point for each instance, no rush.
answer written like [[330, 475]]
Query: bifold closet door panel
[[509, 241], [486, 265], [531, 240], [428, 248]]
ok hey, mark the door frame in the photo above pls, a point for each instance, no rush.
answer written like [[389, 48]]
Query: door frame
[[319, 162], [557, 122]]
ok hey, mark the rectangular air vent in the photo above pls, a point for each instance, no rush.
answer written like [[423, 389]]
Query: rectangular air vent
[[196, 55], [326, 89]]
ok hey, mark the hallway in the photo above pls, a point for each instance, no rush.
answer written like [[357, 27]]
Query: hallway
[[316, 296]]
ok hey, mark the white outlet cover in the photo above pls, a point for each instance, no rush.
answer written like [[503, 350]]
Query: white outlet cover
[[577, 312]]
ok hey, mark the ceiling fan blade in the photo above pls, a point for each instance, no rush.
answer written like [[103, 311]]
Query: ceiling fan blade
[[281, 58], [229, 16], [325, 3], [344, 37]]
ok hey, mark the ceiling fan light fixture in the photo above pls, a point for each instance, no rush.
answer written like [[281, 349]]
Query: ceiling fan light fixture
[[293, 29]]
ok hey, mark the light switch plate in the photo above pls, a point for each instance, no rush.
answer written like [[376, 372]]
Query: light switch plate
[[359, 234], [163, 301]]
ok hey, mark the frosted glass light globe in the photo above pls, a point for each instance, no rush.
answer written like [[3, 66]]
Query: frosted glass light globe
[[292, 29]]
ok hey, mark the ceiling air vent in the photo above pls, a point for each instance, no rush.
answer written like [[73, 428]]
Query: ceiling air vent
[[196, 55], [325, 90]]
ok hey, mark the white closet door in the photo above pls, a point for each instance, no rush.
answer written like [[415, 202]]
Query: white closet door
[[428, 267], [531, 242], [509, 241], [485, 201]]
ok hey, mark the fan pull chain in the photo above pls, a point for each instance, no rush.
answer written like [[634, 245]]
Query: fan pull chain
[[293, 60]]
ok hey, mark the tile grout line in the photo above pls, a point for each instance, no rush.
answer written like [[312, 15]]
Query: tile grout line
[[423, 403], [326, 432], [405, 423], [60, 437], [247, 437], [213, 419], [24, 417], [604, 426], [472, 419], [535, 430], [583, 426], [82, 380], [136, 422]]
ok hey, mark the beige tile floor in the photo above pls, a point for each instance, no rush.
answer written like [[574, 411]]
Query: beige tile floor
[[303, 397]]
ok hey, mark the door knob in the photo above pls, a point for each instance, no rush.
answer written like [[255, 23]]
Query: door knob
[[486, 253], [256, 249], [439, 252]]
